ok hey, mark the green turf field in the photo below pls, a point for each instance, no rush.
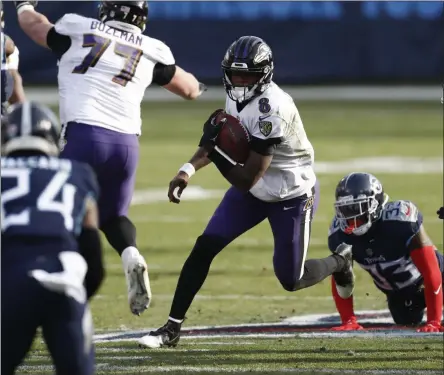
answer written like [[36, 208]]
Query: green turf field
[[241, 287]]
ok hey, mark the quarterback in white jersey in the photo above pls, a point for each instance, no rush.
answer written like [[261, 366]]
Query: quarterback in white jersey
[[276, 183], [273, 117], [105, 65]]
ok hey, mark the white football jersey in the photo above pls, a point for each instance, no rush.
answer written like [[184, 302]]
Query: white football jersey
[[104, 74], [274, 115]]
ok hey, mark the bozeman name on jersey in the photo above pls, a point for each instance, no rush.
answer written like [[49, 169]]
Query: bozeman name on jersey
[[273, 115], [103, 76]]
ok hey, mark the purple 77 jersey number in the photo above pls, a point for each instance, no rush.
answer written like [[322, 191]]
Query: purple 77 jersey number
[[98, 47]]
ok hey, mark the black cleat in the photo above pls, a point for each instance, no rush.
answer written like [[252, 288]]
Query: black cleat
[[167, 335]]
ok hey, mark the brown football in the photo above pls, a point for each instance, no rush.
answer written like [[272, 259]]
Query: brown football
[[234, 139]]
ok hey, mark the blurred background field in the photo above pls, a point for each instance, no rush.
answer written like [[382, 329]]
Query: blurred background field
[[324, 50]]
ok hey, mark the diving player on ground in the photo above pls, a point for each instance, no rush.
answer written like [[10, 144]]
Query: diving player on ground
[[51, 253], [276, 183], [105, 66], [389, 241]]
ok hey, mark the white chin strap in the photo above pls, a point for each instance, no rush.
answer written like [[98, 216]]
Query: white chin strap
[[241, 94]]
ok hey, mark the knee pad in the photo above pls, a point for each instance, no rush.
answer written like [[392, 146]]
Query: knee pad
[[208, 245], [289, 287]]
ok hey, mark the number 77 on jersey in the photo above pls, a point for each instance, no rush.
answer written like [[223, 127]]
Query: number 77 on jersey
[[99, 45]]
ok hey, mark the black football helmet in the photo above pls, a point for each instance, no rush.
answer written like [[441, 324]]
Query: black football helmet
[[359, 202], [247, 68], [32, 127], [131, 12]]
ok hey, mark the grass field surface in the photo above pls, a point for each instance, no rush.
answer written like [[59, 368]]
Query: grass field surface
[[401, 143]]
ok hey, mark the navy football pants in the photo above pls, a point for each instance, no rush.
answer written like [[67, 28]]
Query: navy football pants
[[26, 305], [409, 309]]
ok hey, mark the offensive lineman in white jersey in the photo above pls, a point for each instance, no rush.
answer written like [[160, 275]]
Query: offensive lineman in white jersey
[[276, 183], [105, 65]]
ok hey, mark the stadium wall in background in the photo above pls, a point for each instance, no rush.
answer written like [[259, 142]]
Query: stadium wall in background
[[313, 42]]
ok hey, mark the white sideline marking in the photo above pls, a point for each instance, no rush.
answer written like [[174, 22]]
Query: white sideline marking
[[382, 316], [237, 297], [49, 95], [192, 193], [389, 164]]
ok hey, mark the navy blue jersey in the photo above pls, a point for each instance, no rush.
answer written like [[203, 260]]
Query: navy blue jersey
[[43, 201], [383, 251]]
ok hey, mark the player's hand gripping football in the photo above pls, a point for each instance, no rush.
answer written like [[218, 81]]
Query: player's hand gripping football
[[211, 129], [350, 325], [431, 327], [179, 182], [19, 4]]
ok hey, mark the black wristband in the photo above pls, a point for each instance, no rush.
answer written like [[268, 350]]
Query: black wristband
[[222, 163]]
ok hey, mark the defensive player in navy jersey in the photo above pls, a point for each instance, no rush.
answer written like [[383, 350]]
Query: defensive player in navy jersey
[[51, 256], [389, 241]]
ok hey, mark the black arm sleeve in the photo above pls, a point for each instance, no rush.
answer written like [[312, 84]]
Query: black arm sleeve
[[91, 249], [163, 74], [58, 43], [264, 147]]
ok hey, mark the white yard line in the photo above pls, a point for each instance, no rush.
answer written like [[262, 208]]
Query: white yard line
[[236, 369], [234, 297], [49, 95]]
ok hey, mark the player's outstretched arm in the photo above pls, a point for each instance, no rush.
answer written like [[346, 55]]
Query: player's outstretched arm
[[12, 57], [18, 93], [91, 248], [33, 23], [185, 84], [423, 255]]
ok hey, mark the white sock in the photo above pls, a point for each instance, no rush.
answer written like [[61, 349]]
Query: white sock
[[180, 321], [129, 253]]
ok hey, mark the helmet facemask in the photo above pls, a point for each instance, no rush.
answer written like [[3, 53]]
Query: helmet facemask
[[242, 84], [356, 215]]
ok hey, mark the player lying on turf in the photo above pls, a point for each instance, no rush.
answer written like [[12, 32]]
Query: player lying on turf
[[389, 241], [11, 86], [105, 65], [276, 183], [51, 252]]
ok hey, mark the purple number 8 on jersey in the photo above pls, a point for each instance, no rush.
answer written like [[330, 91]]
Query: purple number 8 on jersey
[[98, 46]]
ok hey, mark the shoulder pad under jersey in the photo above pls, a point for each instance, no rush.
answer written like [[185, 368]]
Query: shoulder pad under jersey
[[404, 211]]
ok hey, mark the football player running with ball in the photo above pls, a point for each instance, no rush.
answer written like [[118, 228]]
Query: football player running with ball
[[277, 182], [389, 241], [105, 65]]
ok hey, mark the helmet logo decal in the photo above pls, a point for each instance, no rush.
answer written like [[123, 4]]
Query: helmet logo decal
[[263, 53]]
